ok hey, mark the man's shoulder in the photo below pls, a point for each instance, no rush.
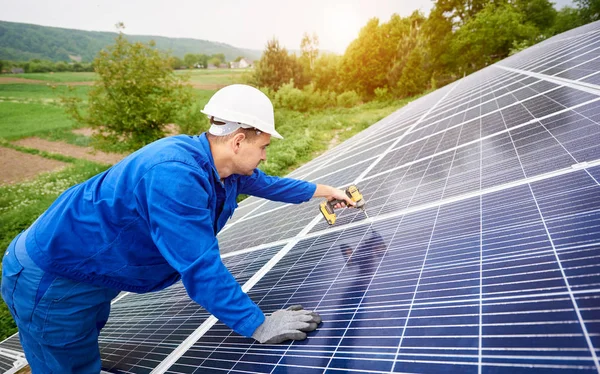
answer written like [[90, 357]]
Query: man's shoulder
[[180, 148]]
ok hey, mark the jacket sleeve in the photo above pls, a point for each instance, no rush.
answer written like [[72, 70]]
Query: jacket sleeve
[[286, 190], [173, 199]]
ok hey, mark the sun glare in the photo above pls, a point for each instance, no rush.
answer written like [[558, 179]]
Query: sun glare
[[342, 25]]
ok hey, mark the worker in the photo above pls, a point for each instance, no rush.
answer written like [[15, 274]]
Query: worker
[[142, 225]]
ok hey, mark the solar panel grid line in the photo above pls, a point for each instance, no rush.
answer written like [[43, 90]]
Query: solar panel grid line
[[565, 279], [362, 148], [399, 139], [502, 131], [355, 311], [133, 330], [355, 154], [582, 86], [565, 39], [451, 103], [241, 265], [415, 292], [244, 217], [585, 64], [479, 117], [316, 307], [288, 301], [553, 54], [441, 113], [179, 351], [348, 145], [480, 322], [545, 50], [562, 145], [457, 198]]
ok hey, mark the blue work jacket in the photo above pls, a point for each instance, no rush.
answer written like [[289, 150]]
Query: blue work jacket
[[151, 220]]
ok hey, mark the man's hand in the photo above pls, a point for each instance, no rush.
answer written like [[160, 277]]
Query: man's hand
[[287, 324], [332, 193]]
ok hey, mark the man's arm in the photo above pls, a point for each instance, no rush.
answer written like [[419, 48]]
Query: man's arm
[[289, 190], [172, 198]]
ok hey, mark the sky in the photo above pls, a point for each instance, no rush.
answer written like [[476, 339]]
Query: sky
[[243, 24]]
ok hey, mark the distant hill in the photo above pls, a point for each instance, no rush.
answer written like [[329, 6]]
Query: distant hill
[[22, 42]]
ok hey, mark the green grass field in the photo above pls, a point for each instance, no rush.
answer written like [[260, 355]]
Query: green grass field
[[39, 92], [217, 76], [59, 77], [19, 120]]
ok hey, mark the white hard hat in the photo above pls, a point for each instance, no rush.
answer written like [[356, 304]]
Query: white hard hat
[[245, 105]]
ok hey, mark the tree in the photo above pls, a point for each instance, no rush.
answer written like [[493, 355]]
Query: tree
[[437, 35], [540, 13], [589, 10], [190, 60], [1, 66], [326, 72], [414, 77], [219, 56], [489, 36], [176, 62], [566, 19], [310, 49], [460, 11], [136, 94], [276, 67], [404, 34], [366, 61], [214, 61]]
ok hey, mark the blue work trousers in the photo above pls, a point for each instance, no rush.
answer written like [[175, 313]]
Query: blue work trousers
[[59, 320]]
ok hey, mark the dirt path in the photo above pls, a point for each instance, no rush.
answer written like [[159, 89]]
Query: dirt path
[[17, 166], [66, 149]]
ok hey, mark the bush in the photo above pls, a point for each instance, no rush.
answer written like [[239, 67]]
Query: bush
[[348, 99], [305, 100], [382, 94], [291, 98], [191, 121], [136, 95]]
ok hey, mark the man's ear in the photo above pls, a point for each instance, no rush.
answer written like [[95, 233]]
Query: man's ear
[[237, 140]]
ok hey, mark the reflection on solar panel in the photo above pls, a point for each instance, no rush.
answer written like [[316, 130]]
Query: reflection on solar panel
[[481, 253]]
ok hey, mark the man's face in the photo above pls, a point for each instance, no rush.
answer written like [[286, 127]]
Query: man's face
[[252, 153]]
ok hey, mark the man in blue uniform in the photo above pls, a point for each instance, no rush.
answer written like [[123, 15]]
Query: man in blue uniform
[[144, 224]]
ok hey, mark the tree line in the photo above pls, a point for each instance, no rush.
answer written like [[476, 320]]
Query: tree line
[[45, 66], [409, 55], [137, 93]]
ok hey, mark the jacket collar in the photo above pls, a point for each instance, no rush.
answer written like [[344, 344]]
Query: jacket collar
[[205, 145]]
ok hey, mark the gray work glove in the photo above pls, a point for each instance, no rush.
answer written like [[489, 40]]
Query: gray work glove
[[287, 324]]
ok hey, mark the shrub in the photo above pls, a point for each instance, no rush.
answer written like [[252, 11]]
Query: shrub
[[136, 94], [348, 99]]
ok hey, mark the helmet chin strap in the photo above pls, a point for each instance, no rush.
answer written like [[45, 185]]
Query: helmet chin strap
[[220, 127]]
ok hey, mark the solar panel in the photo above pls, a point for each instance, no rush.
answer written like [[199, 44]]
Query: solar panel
[[480, 252]]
